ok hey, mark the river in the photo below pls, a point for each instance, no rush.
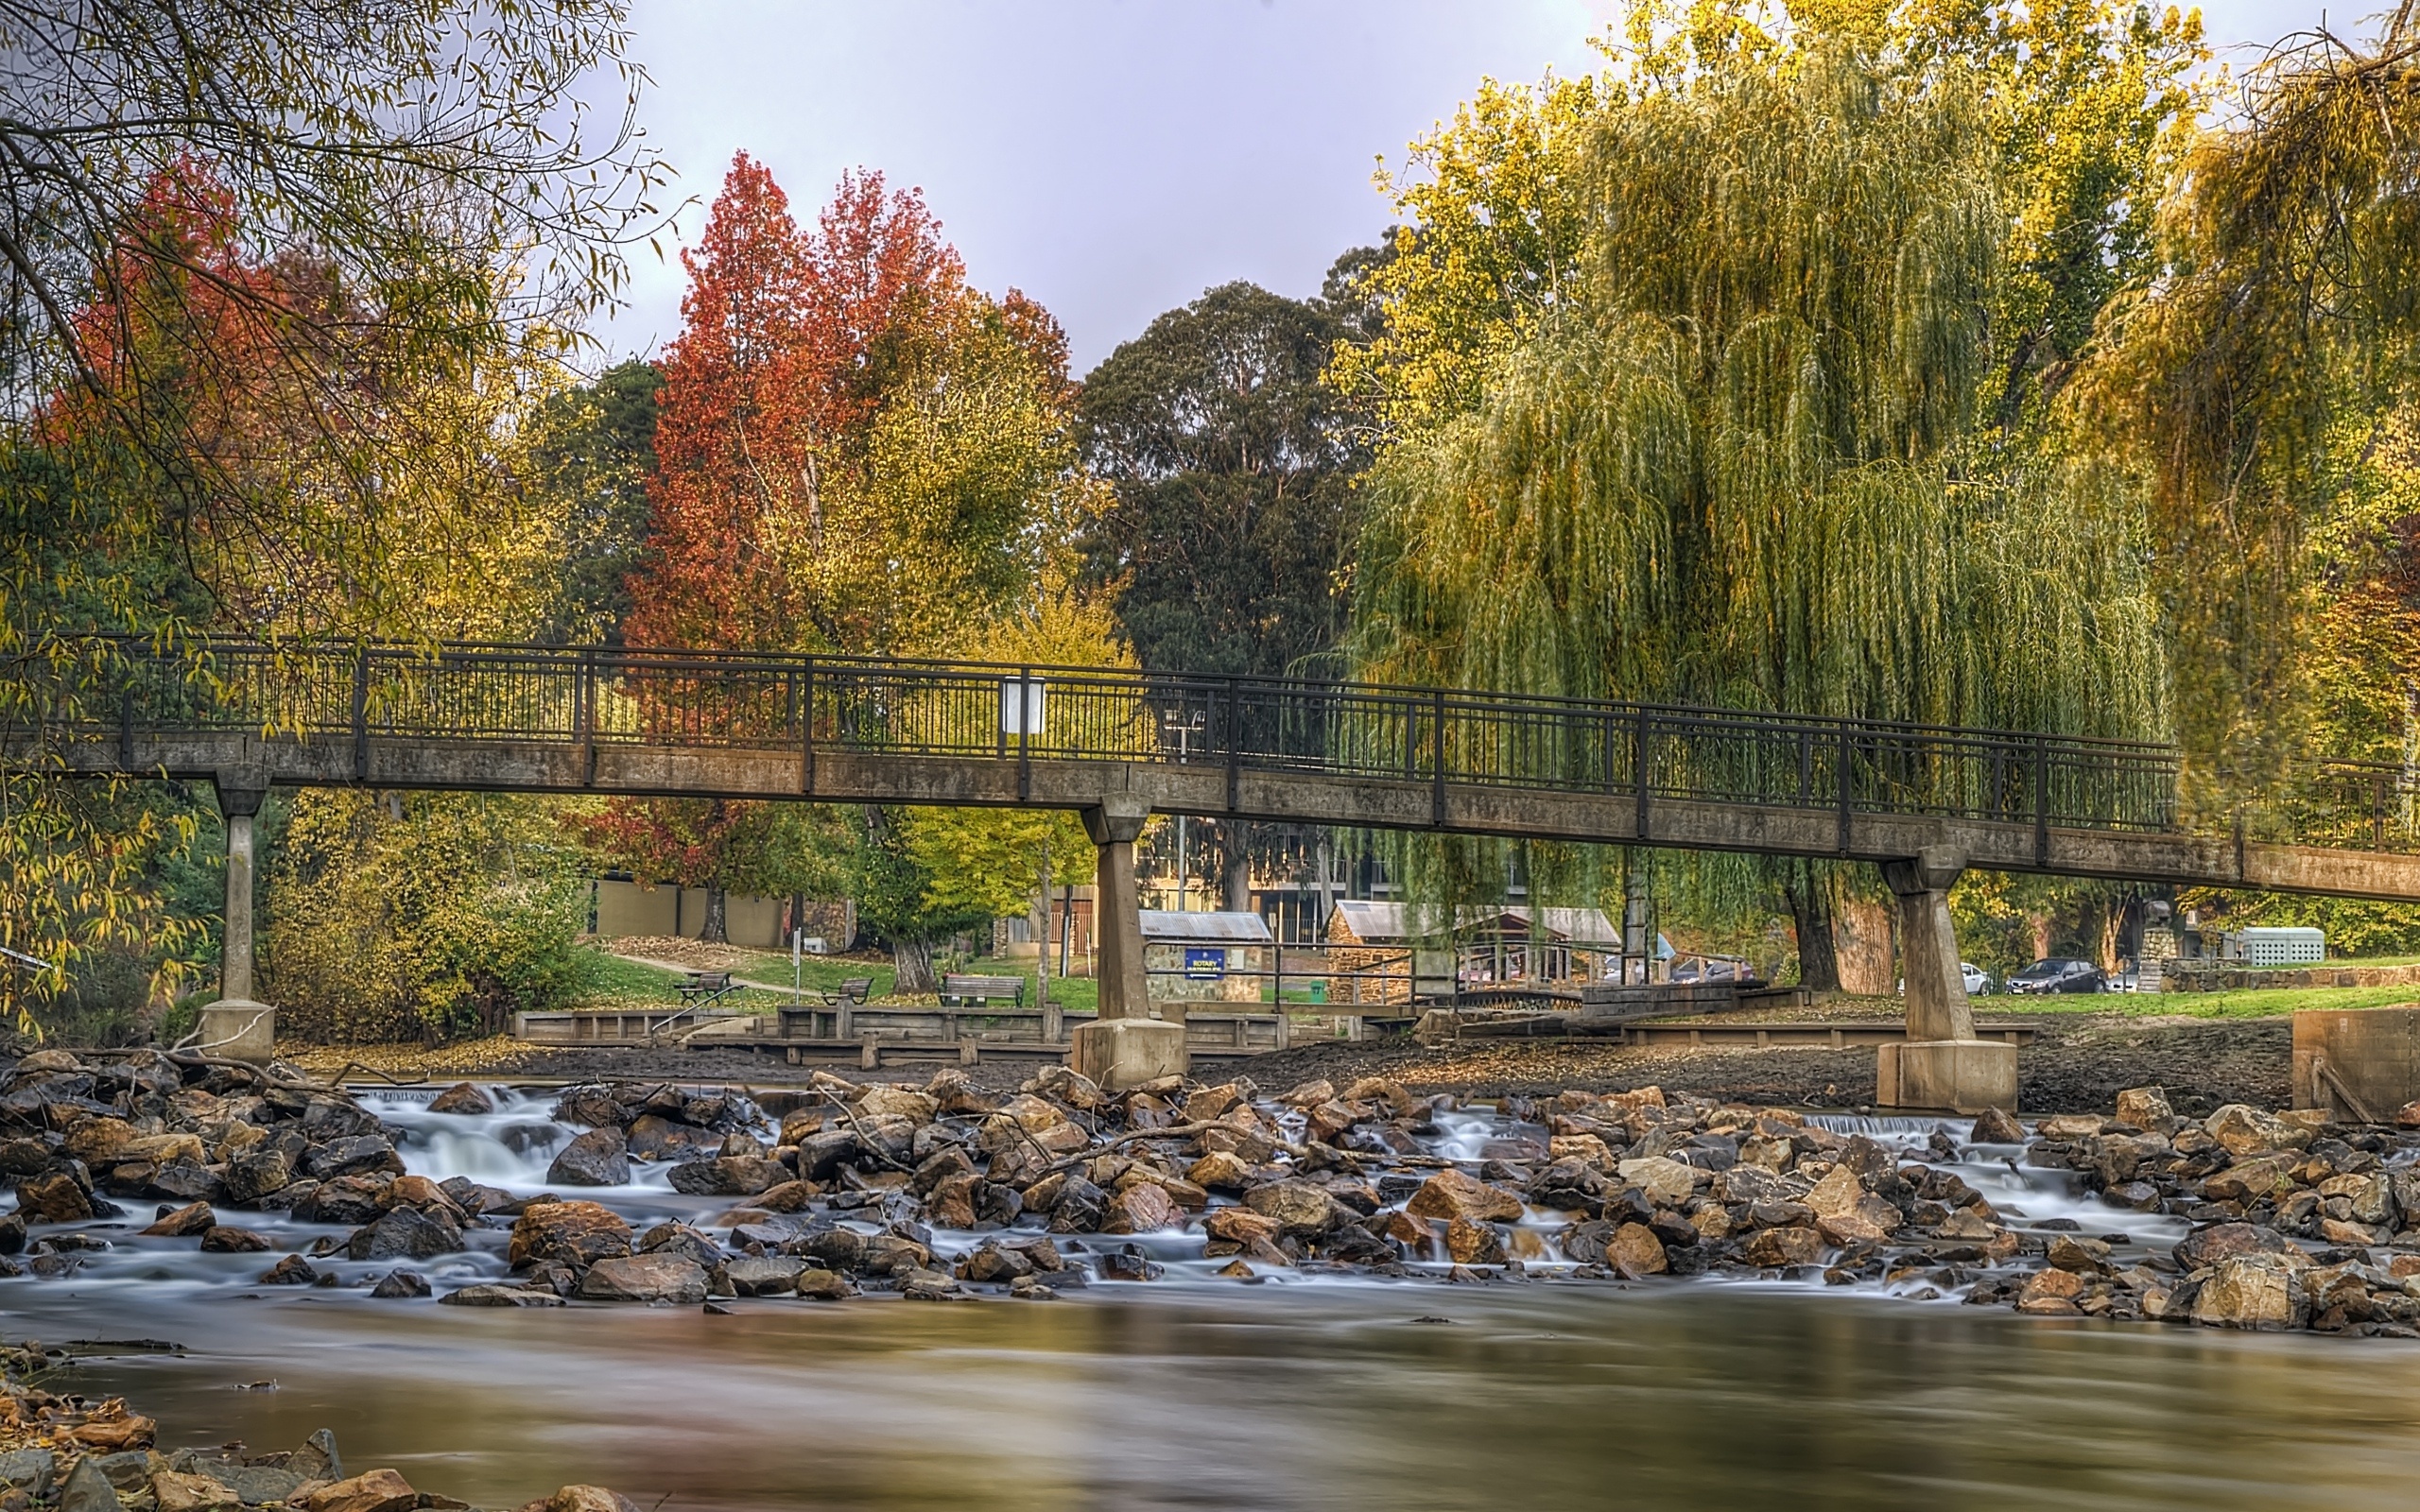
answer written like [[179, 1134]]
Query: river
[[1192, 1393]]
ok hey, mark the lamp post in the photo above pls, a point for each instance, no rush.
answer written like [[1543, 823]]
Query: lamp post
[[1184, 731]]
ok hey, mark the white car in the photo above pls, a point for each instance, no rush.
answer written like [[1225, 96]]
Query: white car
[[1978, 980]]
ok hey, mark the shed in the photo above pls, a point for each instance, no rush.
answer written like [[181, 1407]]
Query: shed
[[1207, 957]]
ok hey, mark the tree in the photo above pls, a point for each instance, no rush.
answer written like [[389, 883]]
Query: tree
[[1745, 451], [591, 456]]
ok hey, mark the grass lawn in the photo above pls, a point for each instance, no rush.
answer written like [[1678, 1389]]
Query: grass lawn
[[2266, 1004]]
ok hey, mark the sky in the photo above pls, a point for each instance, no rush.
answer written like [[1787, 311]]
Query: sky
[[1113, 158]]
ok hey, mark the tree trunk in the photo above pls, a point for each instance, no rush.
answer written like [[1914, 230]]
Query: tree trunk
[[2041, 923], [713, 934], [1811, 913], [912, 962]]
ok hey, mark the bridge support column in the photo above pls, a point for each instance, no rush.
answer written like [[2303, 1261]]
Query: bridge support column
[[1125, 1046], [1941, 1064], [235, 1025]]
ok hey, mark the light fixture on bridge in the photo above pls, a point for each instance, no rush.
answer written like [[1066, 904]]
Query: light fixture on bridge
[[1030, 706]]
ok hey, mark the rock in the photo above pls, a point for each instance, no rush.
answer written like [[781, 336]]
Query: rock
[[1070, 1086], [2408, 1116], [173, 1492], [2051, 1293], [762, 1275], [576, 1234], [680, 1239], [1634, 1249], [1790, 1246], [2243, 1129], [654, 1137], [1142, 1209], [28, 1469], [405, 1233], [599, 1158], [1457, 1195], [2070, 1126], [352, 1200], [2144, 1106], [398, 1284], [1219, 1171], [2250, 1290], [2250, 1179], [356, 1154], [53, 1198], [1965, 1224], [87, 1490], [2072, 1252], [1299, 1207], [291, 1271], [185, 1222], [898, 1102], [825, 1285], [2369, 1199], [661, 1278], [727, 1176], [1668, 1182], [222, 1240], [488, 1294], [1996, 1126], [256, 1173], [2207, 1246], [462, 1097], [1472, 1244], [376, 1491], [582, 1499], [822, 1154], [1027, 1119], [1240, 1227]]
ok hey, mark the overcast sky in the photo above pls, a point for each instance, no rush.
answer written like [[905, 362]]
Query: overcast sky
[[1112, 158]]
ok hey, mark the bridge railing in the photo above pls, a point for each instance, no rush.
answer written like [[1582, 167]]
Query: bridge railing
[[1648, 755]]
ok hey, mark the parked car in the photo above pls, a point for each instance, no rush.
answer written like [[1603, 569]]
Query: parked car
[[2055, 975], [1978, 980], [1710, 968]]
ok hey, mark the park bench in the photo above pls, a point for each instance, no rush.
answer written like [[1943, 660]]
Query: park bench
[[982, 992], [852, 991], [700, 988]]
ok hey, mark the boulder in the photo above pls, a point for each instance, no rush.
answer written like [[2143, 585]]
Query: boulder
[[582, 1499], [2070, 1126], [762, 1275], [1219, 1171], [405, 1233], [1472, 1244], [53, 1198], [2050, 1293], [354, 1155], [898, 1102], [87, 1488], [657, 1278], [680, 1239], [1996, 1126], [352, 1200], [28, 1469], [256, 1173], [184, 1222], [576, 1234], [2144, 1106], [2243, 1129], [488, 1294], [1240, 1227], [727, 1176], [175, 1492], [399, 1284], [1790, 1246], [599, 1158], [223, 1239], [462, 1097], [376, 1491], [2075, 1253], [1634, 1249], [821, 1154], [1298, 1207], [291, 1271], [1667, 1181], [825, 1285], [1458, 1194], [2209, 1246], [2250, 1179], [1141, 1209], [2250, 1290]]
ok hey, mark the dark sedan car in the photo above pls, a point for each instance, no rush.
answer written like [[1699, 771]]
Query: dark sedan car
[[2060, 976]]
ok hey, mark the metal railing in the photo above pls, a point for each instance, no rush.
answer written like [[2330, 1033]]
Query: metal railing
[[1643, 753]]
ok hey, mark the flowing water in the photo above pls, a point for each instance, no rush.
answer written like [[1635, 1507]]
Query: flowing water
[[1294, 1393]]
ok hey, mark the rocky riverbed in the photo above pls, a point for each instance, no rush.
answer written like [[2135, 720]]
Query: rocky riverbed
[[661, 1194], [60, 1449]]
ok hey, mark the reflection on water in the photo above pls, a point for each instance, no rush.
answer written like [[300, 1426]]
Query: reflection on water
[[1674, 1395]]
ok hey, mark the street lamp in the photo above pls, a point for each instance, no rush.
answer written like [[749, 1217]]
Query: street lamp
[[1184, 731]]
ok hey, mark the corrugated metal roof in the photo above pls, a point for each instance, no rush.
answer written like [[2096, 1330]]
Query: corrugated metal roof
[[1166, 926], [1390, 923]]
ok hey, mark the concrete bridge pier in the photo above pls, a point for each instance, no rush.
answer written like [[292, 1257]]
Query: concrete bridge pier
[[235, 1025], [1125, 1046], [1941, 1064]]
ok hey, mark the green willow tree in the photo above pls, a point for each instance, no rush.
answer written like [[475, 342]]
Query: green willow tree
[[1743, 454]]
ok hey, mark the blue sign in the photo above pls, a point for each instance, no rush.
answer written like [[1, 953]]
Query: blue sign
[[1204, 965]]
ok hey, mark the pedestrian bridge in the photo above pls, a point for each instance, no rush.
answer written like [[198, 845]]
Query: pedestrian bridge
[[573, 720], [1119, 747]]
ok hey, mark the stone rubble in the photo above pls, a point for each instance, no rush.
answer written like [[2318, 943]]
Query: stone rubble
[[838, 1189]]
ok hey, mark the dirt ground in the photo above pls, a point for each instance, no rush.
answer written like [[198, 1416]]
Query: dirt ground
[[2075, 1065]]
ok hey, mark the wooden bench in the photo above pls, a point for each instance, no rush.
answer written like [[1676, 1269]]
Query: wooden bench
[[852, 991], [705, 987], [958, 991]]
